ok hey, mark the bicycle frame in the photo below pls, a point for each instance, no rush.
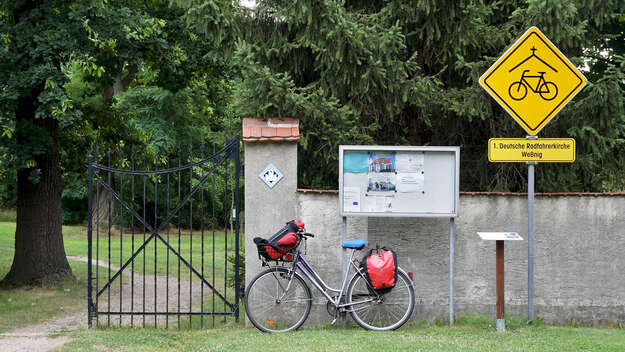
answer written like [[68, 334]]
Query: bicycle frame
[[301, 264], [541, 80]]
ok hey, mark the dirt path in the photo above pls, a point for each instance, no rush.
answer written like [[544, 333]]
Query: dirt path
[[161, 294]]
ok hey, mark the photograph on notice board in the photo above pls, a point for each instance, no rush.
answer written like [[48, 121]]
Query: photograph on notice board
[[381, 162], [382, 183]]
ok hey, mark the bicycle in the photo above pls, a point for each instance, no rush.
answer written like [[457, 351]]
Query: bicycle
[[279, 299], [546, 89]]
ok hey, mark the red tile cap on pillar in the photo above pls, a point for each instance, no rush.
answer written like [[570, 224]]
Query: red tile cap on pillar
[[272, 129]]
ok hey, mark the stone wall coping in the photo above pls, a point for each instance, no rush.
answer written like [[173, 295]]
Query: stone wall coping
[[272, 129], [507, 194]]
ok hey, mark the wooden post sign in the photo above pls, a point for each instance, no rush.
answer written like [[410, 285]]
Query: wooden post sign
[[499, 238]]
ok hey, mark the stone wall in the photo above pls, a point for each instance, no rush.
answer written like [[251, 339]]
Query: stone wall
[[578, 255], [579, 242]]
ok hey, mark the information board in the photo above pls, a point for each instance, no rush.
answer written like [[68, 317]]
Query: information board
[[400, 181]]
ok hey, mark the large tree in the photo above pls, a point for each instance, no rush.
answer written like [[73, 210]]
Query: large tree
[[406, 72], [77, 72]]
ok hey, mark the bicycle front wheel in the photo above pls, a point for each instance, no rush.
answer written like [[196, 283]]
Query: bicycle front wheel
[[272, 309], [387, 311]]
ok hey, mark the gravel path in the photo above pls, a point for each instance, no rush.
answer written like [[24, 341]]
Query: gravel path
[[38, 337]]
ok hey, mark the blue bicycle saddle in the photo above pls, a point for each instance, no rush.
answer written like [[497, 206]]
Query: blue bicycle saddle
[[357, 244]]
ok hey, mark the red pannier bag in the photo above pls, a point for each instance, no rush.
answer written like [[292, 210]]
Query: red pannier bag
[[277, 246], [380, 267]]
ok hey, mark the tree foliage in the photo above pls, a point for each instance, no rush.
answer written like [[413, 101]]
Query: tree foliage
[[78, 73], [406, 73]]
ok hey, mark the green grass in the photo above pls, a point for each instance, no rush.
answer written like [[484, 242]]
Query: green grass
[[21, 307], [25, 306], [472, 335], [76, 245]]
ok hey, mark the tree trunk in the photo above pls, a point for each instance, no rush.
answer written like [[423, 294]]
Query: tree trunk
[[39, 251]]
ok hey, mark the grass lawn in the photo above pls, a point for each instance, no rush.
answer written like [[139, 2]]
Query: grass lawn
[[472, 334], [21, 307], [190, 250]]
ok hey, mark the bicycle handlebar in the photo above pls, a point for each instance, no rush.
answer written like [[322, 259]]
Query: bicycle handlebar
[[308, 234]]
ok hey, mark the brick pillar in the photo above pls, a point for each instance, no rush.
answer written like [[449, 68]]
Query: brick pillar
[[267, 209]]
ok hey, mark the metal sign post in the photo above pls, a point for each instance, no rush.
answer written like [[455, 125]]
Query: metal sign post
[[451, 271], [532, 81], [344, 260], [530, 241]]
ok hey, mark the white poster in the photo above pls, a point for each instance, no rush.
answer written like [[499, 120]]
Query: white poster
[[409, 162], [379, 203], [351, 199], [410, 182]]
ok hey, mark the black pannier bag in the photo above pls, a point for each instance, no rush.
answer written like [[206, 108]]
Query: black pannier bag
[[278, 245], [380, 267]]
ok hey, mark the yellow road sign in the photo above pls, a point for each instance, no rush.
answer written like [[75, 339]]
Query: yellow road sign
[[542, 150], [533, 81]]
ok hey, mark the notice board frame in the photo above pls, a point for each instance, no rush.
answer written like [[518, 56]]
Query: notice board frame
[[455, 178]]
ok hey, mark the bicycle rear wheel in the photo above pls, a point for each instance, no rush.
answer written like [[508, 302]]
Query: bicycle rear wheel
[[269, 308], [387, 311]]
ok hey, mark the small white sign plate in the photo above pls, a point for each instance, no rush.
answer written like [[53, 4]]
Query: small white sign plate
[[270, 175], [500, 236]]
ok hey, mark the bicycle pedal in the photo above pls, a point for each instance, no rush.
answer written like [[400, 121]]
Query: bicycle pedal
[[333, 321]]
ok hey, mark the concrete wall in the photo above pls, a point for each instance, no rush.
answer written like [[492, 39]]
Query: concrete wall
[[579, 261], [579, 257], [320, 213]]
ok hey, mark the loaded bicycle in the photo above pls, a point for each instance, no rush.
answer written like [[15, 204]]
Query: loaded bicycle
[[279, 299]]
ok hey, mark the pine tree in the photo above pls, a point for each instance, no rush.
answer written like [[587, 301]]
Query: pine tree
[[406, 73]]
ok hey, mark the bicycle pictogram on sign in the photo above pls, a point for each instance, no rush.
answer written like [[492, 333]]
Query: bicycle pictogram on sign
[[546, 89], [533, 88]]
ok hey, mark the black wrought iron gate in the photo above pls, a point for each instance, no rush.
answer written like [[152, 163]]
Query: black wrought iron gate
[[164, 237]]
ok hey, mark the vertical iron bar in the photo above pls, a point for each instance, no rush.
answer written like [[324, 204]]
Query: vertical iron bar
[[190, 233], [237, 289], [155, 242], [167, 272], [132, 226], [121, 233], [202, 229], [145, 167], [97, 241], [89, 241], [179, 216], [226, 210], [110, 199], [213, 230]]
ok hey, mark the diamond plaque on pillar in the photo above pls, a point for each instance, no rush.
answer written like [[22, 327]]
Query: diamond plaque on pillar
[[271, 175]]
